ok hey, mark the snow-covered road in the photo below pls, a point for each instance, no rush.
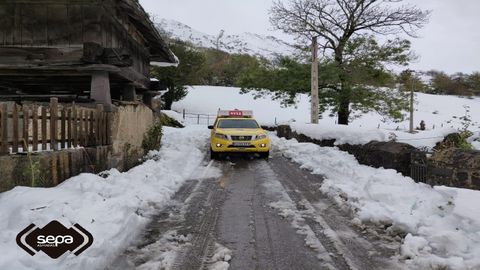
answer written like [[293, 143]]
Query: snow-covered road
[[262, 215], [307, 207]]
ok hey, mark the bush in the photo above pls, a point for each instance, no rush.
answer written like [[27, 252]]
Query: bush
[[152, 138], [455, 140]]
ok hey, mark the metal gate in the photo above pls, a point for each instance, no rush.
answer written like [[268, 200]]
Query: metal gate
[[419, 166]]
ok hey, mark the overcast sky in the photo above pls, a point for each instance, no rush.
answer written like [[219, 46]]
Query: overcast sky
[[450, 42]]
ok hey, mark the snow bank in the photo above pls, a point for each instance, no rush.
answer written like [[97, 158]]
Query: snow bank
[[356, 135], [113, 209], [342, 134], [175, 116], [442, 224], [221, 258]]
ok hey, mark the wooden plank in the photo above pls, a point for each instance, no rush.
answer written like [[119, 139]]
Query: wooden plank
[[7, 12], [53, 123], [34, 24], [81, 135], [63, 126], [4, 129], [44, 128], [25, 116], [17, 25], [98, 117], [69, 128], [40, 30], [35, 128], [75, 16], [85, 128], [74, 126], [91, 24], [109, 128], [102, 133], [91, 137], [58, 25], [15, 129]]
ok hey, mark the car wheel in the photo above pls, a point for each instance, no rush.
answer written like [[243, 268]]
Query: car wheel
[[264, 155]]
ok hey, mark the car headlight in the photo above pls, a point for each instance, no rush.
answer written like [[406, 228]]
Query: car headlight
[[221, 136], [261, 136]]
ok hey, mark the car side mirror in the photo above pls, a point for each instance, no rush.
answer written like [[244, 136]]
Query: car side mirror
[[210, 127]]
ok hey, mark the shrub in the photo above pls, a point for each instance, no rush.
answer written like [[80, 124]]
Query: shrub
[[152, 138]]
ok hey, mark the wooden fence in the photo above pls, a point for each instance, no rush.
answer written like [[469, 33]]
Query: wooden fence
[[53, 127]]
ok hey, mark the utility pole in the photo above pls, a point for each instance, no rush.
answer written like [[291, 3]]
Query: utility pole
[[314, 95], [412, 99]]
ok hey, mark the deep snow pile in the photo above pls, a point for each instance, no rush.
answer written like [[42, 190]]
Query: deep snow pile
[[442, 224], [113, 209], [359, 135]]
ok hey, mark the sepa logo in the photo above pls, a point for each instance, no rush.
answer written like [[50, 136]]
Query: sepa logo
[[54, 239]]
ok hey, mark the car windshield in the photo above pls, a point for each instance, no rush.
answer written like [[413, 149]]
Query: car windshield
[[237, 123]]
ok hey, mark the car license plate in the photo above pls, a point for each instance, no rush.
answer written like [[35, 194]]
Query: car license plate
[[241, 144]]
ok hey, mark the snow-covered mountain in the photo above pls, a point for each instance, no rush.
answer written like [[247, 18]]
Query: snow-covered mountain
[[246, 43]]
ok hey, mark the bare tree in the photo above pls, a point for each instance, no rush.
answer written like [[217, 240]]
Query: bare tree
[[336, 22]]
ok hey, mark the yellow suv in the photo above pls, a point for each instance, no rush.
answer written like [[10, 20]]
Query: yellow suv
[[237, 132]]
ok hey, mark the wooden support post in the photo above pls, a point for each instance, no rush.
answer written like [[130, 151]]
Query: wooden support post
[[15, 129], [4, 130], [100, 88], [35, 128], [53, 123], [129, 93], [44, 128], [26, 138]]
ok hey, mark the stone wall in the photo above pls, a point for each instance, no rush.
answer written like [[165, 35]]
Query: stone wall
[[130, 122], [455, 168], [388, 155], [48, 169], [452, 167]]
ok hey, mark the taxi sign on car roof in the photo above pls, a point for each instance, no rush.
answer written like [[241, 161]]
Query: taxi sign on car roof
[[235, 113]]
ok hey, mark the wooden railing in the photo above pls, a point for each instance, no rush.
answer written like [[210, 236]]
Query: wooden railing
[[32, 127]]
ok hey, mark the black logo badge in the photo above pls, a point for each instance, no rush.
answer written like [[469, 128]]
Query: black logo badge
[[54, 239]]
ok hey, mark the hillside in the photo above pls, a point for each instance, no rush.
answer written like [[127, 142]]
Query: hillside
[[245, 43]]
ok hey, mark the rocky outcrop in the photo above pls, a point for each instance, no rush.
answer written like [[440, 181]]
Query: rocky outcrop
[[388, 155], [455, 167]]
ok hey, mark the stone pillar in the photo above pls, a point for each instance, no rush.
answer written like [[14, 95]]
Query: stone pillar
[[148, 98], [129, 93], [100, 88]]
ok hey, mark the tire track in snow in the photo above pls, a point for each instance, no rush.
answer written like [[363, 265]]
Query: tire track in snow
[[329, 223]]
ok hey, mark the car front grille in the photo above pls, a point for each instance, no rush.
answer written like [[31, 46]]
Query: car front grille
[[241, 138], [241, 146]]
